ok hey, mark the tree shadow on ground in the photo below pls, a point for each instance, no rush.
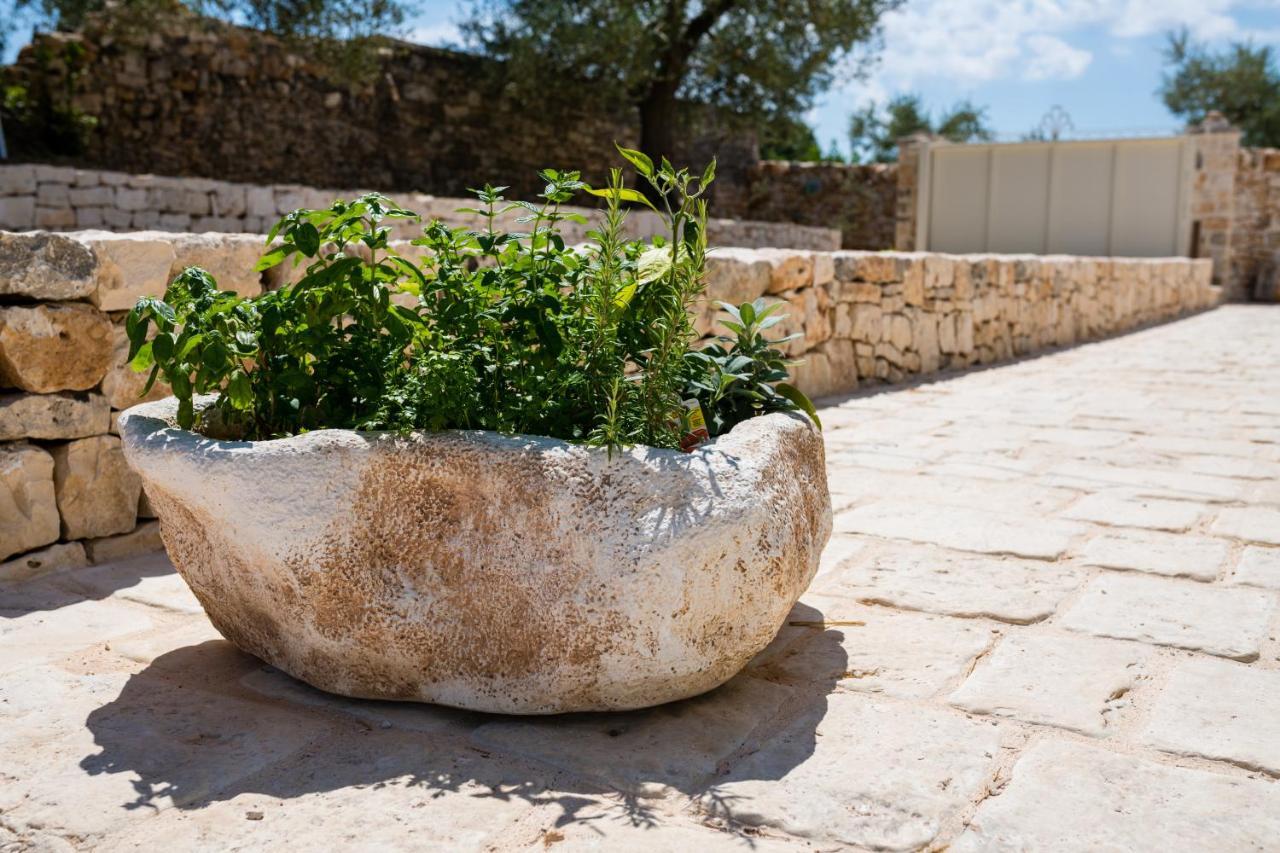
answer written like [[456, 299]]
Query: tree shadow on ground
[[205, 723]]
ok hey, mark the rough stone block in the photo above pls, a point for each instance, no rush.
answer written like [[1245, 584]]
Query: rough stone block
[[130, 266], [1226, 621], [18, 213], [1076, 683], [53, 195], [45, 266], [130, 199], [1131, 510], [229, 258], [938, 581], [1069, 796], [97, 492], [53, 416], [17, 180], [55, 558], [92, 197], [53, 346], [860, 771], [55, 217], [1176, 555], [28, 511], [1259, 567], [143, 539], [1219, 710], [862, 649], [789, 270], [1252, 524], [963, 528]]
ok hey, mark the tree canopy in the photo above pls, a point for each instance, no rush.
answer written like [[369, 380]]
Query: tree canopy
[[762, 59], [874, 132], [1241, 82]]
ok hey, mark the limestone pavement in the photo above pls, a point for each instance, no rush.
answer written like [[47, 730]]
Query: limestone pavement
[[1049, 620]]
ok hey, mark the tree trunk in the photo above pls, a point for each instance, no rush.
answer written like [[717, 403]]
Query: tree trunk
[[658, 121]]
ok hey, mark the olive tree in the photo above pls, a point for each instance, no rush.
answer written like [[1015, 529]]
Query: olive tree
[[763, 59]]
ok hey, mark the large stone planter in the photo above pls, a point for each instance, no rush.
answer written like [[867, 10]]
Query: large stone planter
[[513, 574]]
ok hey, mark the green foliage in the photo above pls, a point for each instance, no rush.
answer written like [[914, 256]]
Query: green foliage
[[764, 59], [323, 352], [787, 138], [41, 118], [510, 331], [875, 132], [1242, 82], [746, 378]]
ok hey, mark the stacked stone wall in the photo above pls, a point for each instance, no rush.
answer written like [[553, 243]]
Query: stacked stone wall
[[1255, 235], [63, 198], [860, 200], [67, 498]]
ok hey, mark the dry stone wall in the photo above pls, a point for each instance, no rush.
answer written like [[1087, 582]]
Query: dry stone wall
[[62, 198], [859, 199], [1255, 235], [67, 498]]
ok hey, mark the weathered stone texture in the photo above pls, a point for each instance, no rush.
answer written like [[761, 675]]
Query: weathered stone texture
[[130, 266], [1226, 621], [28, 511], [96, 490], [53, 416], [544, 638], [1070, 796], [60, 346], [1077, 683], [44, 266], [1221, 710], [55, 558]]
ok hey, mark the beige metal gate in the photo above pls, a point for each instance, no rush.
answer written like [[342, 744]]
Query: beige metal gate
[[1121, 197]]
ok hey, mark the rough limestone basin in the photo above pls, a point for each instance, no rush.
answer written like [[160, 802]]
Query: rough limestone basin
[[499, 573]]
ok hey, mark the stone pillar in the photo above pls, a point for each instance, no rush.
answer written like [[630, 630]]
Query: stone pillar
[[909, 199], [1213, 199]]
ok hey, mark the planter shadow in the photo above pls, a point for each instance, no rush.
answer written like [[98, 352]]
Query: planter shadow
[[204, 724]]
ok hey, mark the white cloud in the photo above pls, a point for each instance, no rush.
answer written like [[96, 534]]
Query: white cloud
[[979, 41], [1051, 58]]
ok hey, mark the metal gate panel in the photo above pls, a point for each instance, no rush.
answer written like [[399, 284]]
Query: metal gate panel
[[1145, 201], [962, 179], [1080, 207], [1125, 197], [1017, 215]]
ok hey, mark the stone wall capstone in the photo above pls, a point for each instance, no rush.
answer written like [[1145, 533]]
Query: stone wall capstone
[[66, 498]]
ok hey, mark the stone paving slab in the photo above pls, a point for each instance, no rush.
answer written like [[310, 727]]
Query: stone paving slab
[[1017, 640]]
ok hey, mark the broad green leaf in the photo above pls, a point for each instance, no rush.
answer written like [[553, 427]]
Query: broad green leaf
[[638, 159], [802, 402], [623, 194], [653, 264], [623, 298]]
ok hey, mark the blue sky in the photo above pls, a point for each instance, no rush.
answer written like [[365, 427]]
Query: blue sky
[[1100, 60]]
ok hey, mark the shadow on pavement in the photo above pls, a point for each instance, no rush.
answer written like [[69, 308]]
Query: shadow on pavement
[[205, 723], [61, 589]]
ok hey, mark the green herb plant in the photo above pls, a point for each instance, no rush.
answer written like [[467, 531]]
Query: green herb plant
[[743, 376], [482, 328]]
